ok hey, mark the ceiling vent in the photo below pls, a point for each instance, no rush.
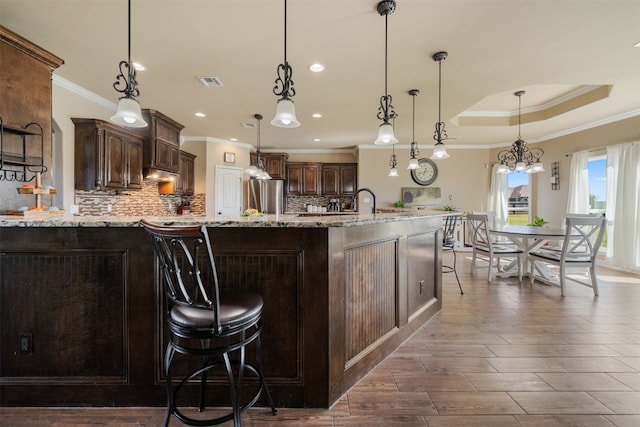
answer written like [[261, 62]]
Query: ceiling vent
[[210, 81]]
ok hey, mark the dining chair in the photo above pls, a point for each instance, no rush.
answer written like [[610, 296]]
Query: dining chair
[[448, 245], [583, 238], [215, 326], [484, 247]]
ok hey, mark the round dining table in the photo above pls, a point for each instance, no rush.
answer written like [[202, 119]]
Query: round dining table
[[529, 239]]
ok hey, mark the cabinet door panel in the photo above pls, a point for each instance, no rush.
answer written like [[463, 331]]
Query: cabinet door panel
[[348, 179], [330, 180], [311, 180], [134, 164], [114, 146], [421, 272], [294, 179]]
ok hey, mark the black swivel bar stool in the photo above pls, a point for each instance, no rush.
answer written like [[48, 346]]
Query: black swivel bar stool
[[205, 322]]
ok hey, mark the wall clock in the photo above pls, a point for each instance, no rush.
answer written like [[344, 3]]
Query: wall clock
[[426, 173]]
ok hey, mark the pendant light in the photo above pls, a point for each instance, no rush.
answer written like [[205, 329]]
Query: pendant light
[[440, 134], [520, 157], [385, 111], [285, 112], [128, 112], [414, 152], [393, 162], [257, 170]]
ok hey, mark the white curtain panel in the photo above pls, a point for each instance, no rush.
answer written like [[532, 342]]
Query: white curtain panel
[[498, 196], [578, 199], [623, 206]]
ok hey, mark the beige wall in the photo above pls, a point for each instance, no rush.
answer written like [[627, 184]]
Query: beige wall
[[465, 176], [551, 204]]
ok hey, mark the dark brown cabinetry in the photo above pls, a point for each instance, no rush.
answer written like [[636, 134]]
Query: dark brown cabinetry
[[274, 163], [303, 179], [185, 182], [339, 179], [106, 156], [186, 179], [161, 142]]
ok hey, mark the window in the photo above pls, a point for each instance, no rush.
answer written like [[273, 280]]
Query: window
[[598, 185], [518, 198]]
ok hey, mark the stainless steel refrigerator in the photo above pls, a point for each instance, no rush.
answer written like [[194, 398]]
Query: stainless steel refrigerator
[[266, 195]]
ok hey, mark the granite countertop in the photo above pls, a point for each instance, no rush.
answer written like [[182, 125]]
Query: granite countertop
[[302, 220]]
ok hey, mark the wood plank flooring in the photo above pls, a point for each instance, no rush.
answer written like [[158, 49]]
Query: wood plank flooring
[[502, 354]]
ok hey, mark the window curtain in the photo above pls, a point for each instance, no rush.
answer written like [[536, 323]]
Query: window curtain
[[498, 196], [578, 201], [623, 206]]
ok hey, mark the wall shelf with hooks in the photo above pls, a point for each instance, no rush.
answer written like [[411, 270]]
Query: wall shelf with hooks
[[21, 152]]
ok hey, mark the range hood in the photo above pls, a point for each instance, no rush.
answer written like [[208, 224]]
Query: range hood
[[159, 175]]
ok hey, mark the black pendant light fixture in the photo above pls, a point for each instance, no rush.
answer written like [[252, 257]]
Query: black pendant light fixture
[[128, 112], [393, 162], [285, 112], [385, 111], [413, 151], [440, 134], [258, 170], [520, 157]]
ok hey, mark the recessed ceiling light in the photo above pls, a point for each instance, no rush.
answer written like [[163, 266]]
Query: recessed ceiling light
[[199, 114], [637, 44], [233, 139], [316, 67], [316, 115], [138, 66], [316, 139]]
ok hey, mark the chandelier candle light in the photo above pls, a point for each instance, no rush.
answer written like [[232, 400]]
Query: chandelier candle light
[[385, 111], [285, 112], [414, 152], [258, 170], [440, 134], [520, 157], [128, 112]]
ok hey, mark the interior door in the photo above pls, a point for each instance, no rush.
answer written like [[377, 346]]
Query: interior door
[[228, 192]]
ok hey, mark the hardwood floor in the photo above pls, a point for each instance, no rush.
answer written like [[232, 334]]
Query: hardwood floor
[[502, 354]]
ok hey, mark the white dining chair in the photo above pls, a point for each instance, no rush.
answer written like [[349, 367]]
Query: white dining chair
[[583, 238], [485, 248]]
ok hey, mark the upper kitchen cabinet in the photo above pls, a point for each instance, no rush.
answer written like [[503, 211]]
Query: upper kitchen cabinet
[[339, 179], [25, 110], [161, 142], [107, 156], [274, 163], [185, 183], [303, 179]]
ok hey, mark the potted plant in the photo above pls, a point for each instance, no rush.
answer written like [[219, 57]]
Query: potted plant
[[538, 222]]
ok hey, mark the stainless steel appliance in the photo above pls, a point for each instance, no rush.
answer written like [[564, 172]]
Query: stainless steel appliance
[[266, 195]]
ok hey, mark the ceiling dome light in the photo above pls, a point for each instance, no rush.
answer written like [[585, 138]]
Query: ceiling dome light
[[316, 67]]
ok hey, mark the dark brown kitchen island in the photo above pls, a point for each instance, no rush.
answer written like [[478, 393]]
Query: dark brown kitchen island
[[81, 307]]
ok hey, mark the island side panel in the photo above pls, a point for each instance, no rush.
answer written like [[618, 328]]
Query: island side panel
[[385, 266]]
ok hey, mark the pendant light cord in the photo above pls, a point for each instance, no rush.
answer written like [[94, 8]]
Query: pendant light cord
[[285, 31], [439, 91], [129, 47], [519, 114], [386, 24], [413, 126]]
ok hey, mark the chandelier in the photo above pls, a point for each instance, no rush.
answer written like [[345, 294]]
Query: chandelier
[[258, 170], [285, 112], [385, 111], [413, 151], [128, 112], [520, 157]]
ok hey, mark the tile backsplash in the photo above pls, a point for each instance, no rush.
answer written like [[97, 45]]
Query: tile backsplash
[[142, 202], [299, 203]]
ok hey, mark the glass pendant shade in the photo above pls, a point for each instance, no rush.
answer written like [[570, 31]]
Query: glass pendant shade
[[285, 115], [502, 168], [251, 170], [521, 166], [439, 151], [129, 114], [385, 135], [393, 172], [537, 167], [413, 164]]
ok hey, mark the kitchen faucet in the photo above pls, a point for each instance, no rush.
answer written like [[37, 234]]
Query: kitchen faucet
[[354, 200]]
